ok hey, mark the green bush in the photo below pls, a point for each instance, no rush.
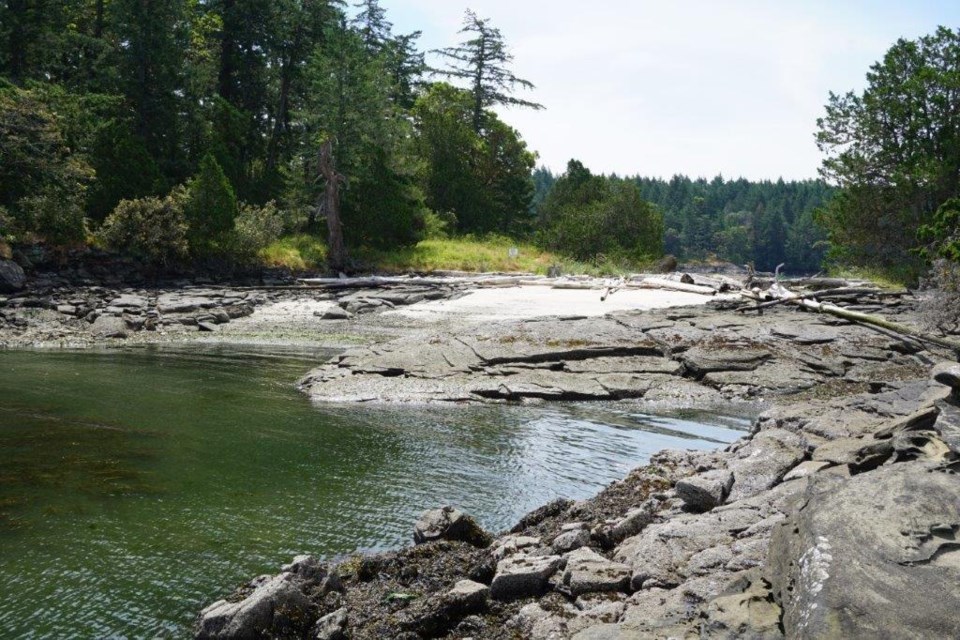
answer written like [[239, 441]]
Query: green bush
[[257, 228], [151, 229]]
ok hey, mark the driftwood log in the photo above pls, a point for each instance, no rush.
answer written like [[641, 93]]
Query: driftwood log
[[782, 295]]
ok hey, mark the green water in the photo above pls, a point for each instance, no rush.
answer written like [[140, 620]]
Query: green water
[[136, 486]]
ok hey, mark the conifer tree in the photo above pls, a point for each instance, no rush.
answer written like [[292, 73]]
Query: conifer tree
[[483, 61]]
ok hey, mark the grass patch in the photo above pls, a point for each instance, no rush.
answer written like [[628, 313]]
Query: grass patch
[[304, 252], [478, 255], [885, 279], [300, 252]]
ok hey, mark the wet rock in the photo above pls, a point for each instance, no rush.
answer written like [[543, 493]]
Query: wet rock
[[589, 572], [869, 557], [276, 608], [448, 523], [12, 277], [521, 576], [332, 626], [439, 614], [705, 491]]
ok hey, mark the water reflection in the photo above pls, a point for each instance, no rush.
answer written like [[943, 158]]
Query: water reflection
[[136, 485]]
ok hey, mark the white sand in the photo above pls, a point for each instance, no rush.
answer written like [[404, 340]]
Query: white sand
[[525, 302]]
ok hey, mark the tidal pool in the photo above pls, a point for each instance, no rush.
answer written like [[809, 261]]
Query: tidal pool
[[137, 485]]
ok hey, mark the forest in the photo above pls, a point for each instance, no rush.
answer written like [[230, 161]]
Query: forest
[[199, 132]]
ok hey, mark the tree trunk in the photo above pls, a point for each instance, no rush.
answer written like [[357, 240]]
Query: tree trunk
[[326, 165]]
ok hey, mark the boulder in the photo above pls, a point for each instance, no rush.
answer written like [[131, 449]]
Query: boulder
[[522, 576], [872, 556], [332, 626], [449, 523], [704, 491], [570, 539], [275, 608], [861, 454], [589, 572], [12, 277], [109, 327], [335, 313]]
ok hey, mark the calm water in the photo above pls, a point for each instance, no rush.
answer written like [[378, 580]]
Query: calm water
[[137, 485]]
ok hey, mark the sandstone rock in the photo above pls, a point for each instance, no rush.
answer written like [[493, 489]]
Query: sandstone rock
[[948, 425], [589, 572], [12, 277], [569, 540], [109, 327], [332, 626], [276, 607], [448, 523], [862, 454], [705, 491], [871, 556], [806, 468], [747, 611], [129, 301], [763, 462], [521, 576], [511, 544], [209, 327]]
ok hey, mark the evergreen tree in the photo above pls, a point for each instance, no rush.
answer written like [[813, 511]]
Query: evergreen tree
[[211, 208], [482, 60]]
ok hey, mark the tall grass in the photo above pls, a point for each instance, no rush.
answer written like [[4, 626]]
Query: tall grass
[[303, 252]]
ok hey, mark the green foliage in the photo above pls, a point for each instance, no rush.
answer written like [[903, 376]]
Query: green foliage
[[894, 150], [151, 229], [124, 168], [42, 181], [482, 179], [589, 217], [210, 209], [942, 235], [257, 227]]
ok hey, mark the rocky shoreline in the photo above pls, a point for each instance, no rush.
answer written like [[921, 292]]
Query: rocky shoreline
[[837, 517]]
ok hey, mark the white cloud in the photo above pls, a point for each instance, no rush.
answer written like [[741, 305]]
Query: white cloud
[[697, 87]]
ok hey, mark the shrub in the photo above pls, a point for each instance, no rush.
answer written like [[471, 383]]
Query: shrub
[[151, 229], [256, 228]]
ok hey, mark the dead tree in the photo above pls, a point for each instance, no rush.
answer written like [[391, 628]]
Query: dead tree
[[330, 206]]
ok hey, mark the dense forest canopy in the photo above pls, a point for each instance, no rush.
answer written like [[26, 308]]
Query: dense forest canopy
[[762, 223], [228, 123]]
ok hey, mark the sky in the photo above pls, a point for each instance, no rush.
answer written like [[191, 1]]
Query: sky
[[694, 87]]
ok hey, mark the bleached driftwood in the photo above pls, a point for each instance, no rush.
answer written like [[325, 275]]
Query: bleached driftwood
[[781, 295], [672, 285]]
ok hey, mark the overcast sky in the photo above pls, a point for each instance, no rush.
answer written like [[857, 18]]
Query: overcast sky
[[659, 87]]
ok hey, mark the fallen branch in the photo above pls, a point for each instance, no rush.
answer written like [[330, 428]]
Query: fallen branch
[[785, 296]]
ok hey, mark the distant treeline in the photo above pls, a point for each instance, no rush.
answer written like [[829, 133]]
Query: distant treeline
[[765, 223]]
